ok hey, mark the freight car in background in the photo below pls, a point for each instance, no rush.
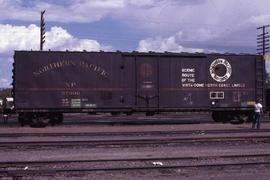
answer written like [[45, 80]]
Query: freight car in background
[[47, 84]]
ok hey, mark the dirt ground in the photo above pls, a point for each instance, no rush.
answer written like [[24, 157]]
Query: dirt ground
[[169, 150]]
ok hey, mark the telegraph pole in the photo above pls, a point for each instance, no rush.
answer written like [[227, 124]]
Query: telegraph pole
[[263, 41], [42, 30]]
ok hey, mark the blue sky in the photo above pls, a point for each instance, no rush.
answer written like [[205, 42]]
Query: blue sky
[[127, 25]]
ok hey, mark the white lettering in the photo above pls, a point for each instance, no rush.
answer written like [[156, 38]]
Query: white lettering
[[188, 75], [192, 70]]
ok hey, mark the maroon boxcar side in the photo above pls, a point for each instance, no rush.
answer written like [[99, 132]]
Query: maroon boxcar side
[[150, 82]]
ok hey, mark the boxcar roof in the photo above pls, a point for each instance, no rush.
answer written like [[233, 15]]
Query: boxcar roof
[[150, 53]]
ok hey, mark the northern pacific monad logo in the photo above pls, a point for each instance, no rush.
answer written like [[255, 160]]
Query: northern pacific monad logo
[[220, 70]]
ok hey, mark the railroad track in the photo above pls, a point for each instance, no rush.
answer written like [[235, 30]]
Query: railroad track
[[139, 141], [135, 133], [31, 168]]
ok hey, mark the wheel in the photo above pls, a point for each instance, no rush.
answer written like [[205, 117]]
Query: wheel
[[129, 113], [239, 118], [215, 116], [150, 113], [40, 121], [25, 118], [60, 118], [243, 117], [221, 116], [56, 118], [115, 113], [21, 120], [224, 117]]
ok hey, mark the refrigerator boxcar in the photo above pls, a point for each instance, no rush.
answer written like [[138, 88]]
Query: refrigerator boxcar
[[49, 83]]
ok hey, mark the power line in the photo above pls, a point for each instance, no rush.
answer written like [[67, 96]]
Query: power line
[[263, 40]]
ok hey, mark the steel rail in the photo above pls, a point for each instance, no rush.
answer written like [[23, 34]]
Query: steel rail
[[19, 172], [3, 163], [135, 133], [138, 141]]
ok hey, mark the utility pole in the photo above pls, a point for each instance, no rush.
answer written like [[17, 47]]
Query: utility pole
[[42, 30], [263, 41]]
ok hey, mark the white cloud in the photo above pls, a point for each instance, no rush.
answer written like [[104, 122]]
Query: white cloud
[[163, 44], [141, 3], [111, 4], [167, 13], [201, 34], [59, 39], [260, 19], [18, 37], [202, 20], [27, 38], [10, 59], [70, 11], [4, 83]]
